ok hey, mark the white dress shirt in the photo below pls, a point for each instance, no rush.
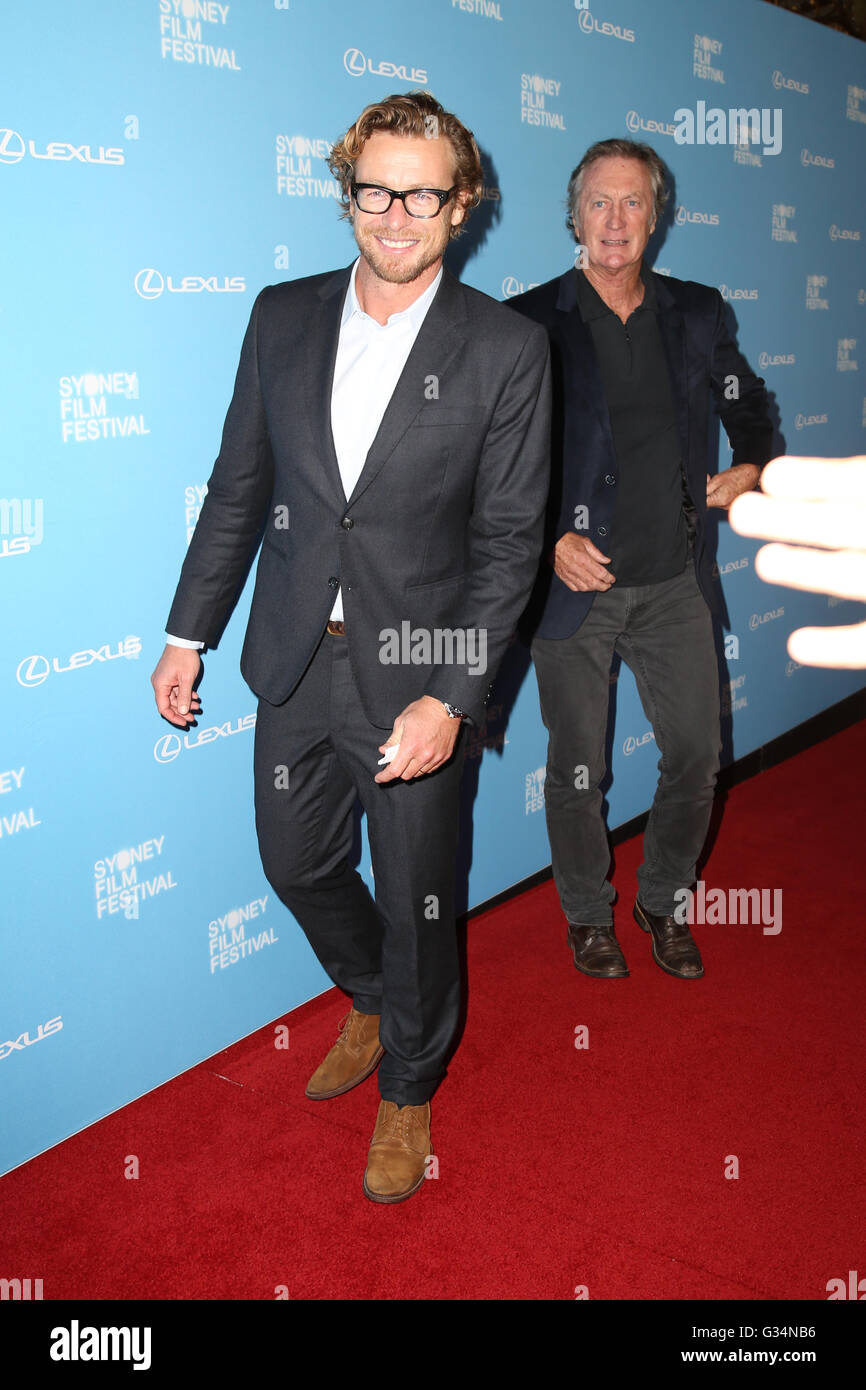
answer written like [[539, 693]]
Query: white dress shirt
[[370, 358]]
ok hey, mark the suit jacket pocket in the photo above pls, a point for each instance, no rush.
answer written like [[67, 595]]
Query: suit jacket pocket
[[434, 584], [439, 415]]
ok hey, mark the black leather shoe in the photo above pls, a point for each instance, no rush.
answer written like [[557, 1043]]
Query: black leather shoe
[[596, 951], [674, 947]]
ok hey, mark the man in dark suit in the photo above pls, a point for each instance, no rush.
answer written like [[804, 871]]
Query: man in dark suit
[[639, 360], [388, 439]]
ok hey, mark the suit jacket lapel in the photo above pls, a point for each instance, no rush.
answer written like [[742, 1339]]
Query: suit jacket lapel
[[439, 339], [322, 340]]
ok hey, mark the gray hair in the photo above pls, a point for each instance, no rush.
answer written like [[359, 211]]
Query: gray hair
[[619, 149]]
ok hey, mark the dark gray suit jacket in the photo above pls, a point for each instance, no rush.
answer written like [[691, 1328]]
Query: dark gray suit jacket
[[443, 529]]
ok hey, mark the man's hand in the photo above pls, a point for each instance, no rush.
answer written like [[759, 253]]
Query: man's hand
[[724, 487], [173, 682], [813, 502], [580, 564], [426, 736]]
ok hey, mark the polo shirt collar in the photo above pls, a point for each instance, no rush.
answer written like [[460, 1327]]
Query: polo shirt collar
[[590, 304]]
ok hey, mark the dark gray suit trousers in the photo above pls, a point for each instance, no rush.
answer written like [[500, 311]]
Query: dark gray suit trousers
[[315, 756]]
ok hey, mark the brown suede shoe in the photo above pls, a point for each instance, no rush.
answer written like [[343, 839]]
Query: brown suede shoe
[[401, 1142], [355, 1054]]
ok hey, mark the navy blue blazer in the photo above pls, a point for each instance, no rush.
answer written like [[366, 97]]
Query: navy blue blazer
[[703, 357]]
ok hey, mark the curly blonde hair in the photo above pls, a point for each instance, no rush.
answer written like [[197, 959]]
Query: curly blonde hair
[[412, 113]]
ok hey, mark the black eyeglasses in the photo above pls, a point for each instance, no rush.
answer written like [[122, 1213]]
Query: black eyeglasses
[[418, 202]]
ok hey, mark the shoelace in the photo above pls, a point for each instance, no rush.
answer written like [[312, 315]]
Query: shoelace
[[344, 1030], [599, 934], [400, 1120], [676, 932]]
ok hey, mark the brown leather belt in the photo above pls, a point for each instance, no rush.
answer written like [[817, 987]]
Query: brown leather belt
[[336, 629]]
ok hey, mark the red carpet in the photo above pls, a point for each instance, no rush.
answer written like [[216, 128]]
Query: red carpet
[[558, 1167]]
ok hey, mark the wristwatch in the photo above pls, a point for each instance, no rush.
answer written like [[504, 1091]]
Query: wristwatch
[[453, 712]]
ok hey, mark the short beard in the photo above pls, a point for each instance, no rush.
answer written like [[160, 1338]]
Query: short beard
[[396, 273]]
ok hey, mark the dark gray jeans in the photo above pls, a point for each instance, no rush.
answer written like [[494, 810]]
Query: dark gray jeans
[[664, 633]]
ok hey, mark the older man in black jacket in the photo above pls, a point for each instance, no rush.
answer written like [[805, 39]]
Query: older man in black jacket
[[639, 361]]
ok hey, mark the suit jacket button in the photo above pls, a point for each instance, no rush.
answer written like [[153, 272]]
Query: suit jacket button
[[609, 478], [333, 582], [602, 530], [347, 523]]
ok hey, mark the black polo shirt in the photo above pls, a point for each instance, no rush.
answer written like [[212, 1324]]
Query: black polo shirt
[[649, 534]]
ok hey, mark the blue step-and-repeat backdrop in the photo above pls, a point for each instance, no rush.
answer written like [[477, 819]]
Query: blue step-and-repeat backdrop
[[161, 161]]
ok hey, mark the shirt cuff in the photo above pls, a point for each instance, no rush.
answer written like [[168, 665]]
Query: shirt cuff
[[184, 642]]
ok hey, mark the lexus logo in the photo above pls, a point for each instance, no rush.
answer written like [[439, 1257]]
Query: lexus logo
[[11, 147], [632, 120], [167, 748], [149, 284], [510, 287], [353, 61], [585, 20], [33, 670]]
